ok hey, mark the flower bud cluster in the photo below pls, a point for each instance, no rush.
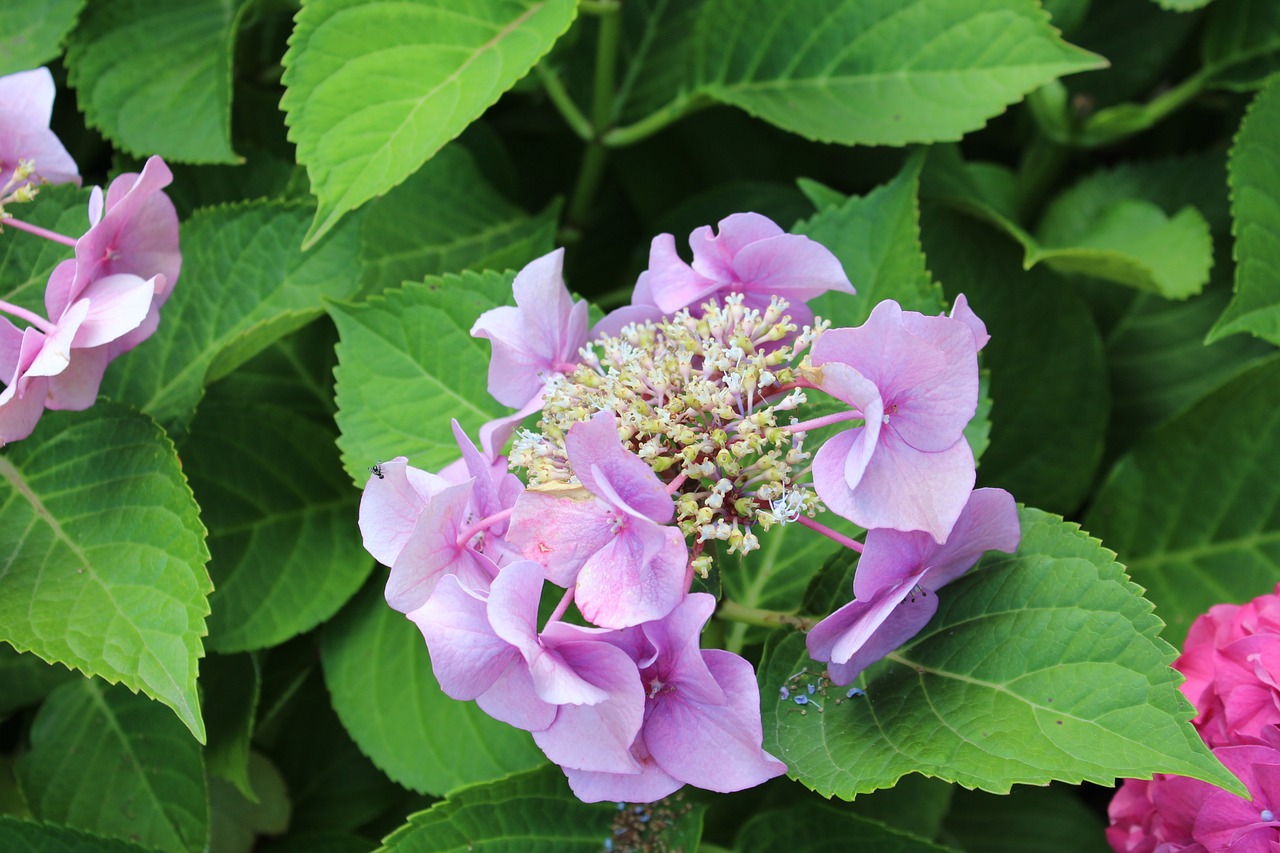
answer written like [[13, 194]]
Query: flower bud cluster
[[699, 400]]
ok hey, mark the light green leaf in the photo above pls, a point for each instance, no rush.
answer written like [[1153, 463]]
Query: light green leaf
[[447, 218], [1241, 44], [244, 283], [881, 72], [817, 828], [34, 30], [407, 364], [1044, 349], [1182, 5], [1192, 509], [536, 811], [877, 239], [1255, 207], [379, 675], [362, 124], [286, 554], [1045, 665], [20, 836], [183, 112], [106, 554], [116, 764]]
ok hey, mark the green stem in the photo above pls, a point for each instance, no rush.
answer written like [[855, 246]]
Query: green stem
[[731, 611], [630, 134], [601, 114], [564, 103], [1111, 125]]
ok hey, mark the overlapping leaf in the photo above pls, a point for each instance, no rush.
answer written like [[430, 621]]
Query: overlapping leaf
[[883, 72], [34, 30], [183, 113], [106, 554], [1194, 510], [407, 365], [361, 123], [1039, 666], [286, 554], [1241, 45], [244, 284], [814, 828], [447, 218], [536, 811], [116, 764], [379, 675], [1255, 206], [20, 836]]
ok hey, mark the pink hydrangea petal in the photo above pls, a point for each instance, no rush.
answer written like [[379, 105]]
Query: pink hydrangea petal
[[560, 531], [495, 433], [597, 736], [612, 324], [467, 657], [26, 106], [22, 401], [610, 471], [390, 507], [961, 311], [791, 266], [715, 747], [513, 700], [714, 253], [432, 551], [672, 283], [678, 659], [641, 575], [55, 353], [899, 625], [76, 388], [117, 304], [652, 783]]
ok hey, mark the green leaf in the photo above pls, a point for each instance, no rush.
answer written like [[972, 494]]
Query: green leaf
[[877, 239], [25, 680], [273, 495], [145, 774], [656, 44], [407, 364], [1192, 509], [1045, 665], [447, 218], [1241, 45], [34, 30], [817, 828], [881, 72], [182, 113], [20, 836], [106, 554], [1255, 207], [536, 811], [1026, 820], [243, 280], [363, 125], [232, 685], [1182, 5], [379, 675], [1044, 349], [238, 821]]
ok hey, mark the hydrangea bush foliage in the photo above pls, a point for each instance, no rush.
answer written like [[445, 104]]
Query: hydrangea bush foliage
[[638, 425]]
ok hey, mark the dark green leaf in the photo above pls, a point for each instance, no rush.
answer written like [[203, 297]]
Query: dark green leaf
[[34, 30], [817, 828], [1026, 820], [19, 836], [231, 686]]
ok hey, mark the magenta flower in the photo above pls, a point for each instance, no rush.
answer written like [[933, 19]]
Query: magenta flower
[[26, 105], [896, 583], [132, 231], [609, 539], [701, 718], [751, 255], [914, 381], [538, 337]]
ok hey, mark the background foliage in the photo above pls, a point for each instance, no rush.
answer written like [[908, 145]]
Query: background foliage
[[358, 181]]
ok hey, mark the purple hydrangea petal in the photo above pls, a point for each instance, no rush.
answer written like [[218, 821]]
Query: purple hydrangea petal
[[890, 627], [76, 388], [467, 657], [637, 577], [513, 700], [672, 283], [390, 506], [610, 471], [26, 106], [961, 311], [652, 783], [560, 530], [432, 551], [791, 266]]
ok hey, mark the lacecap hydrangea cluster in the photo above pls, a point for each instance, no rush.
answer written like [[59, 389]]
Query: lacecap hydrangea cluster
[[102, 302], [1231, 660], [673, 425]]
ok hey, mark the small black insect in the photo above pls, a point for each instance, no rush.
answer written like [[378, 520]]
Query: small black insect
[[376, 470]]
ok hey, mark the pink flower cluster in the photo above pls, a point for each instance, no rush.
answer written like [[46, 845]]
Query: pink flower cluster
[[102, 302], [662, 430], [1231, 660]]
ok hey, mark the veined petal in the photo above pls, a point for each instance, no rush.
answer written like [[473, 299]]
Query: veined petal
[[610, 471], [467, 657], [117, 304], [560, 530], [390, 507], [652, 783], [641, 575], [673, 283]]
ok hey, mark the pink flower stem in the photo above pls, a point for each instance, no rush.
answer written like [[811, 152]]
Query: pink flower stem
[[833, 535], [825, 420], [483, 524], [40, 232], [565, 601], [676, 483], [30, 316]]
